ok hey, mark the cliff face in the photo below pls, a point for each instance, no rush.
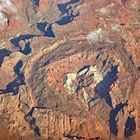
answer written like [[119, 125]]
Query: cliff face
[[69, 69]]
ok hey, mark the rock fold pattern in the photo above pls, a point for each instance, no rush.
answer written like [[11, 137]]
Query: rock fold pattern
[[69, 69]]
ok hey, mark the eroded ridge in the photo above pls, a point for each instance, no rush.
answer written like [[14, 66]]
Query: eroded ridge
[[69, 69], [89, 75]]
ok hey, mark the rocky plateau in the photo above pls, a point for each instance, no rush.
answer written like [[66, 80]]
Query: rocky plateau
[[69, 69]]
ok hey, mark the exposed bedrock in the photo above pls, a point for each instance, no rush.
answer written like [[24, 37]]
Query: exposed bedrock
[[69, 69]]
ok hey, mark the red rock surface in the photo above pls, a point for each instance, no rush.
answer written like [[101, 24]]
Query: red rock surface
[[70, 70]]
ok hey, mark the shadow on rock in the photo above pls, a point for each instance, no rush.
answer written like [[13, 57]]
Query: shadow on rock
[[13, 86], [130, 126], [102, 89], [46, 28], [113, 114], [36, 2], [26, 49], [4, 53]]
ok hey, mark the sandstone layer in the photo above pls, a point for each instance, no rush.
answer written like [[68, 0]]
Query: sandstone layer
[[70, 69]]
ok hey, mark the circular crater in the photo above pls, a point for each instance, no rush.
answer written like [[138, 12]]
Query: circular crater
[[78, 78], [88, 72], [79, 69]]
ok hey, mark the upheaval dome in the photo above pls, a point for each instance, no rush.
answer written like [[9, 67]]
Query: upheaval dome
[[69, 69]]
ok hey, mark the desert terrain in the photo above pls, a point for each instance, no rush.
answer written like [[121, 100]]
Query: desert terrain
[[69, 69]]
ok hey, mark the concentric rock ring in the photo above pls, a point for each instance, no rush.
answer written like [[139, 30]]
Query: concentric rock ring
[[69, 58], [69, 69], [75, 77], [93, 73]]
